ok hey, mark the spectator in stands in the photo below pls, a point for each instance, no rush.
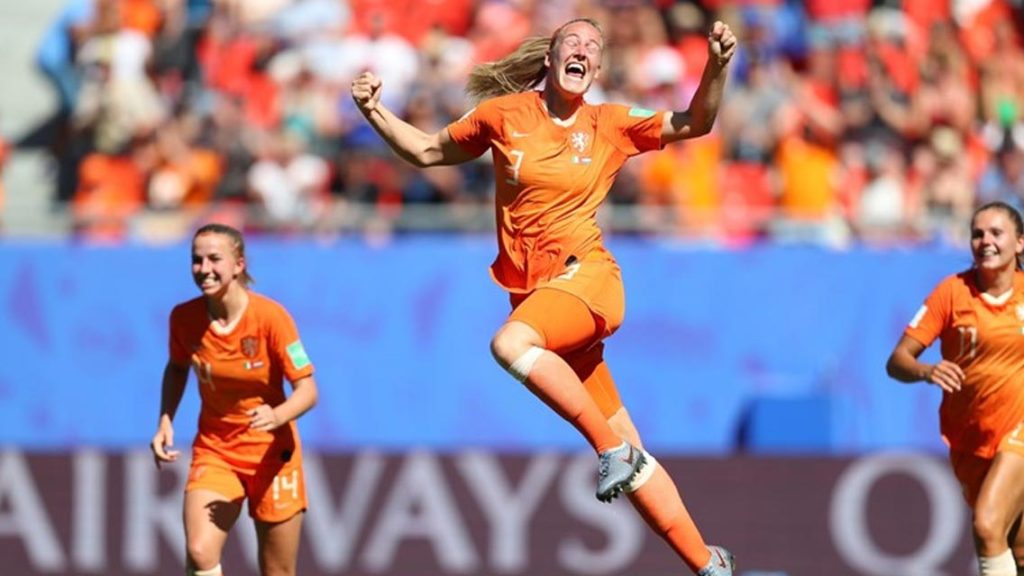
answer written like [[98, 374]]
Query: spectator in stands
[[947, 191], [891, 77], [883, 211], [287, 182], [118, 97], [112, 189], [555, 157], [977, 315], [56, 54], [1003, 179]]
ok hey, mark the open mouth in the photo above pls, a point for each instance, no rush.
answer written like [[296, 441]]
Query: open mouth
[[987, 255], [575, 70]]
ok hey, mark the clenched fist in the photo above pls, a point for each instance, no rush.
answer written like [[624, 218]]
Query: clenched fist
[[721, 43], [366, 92]]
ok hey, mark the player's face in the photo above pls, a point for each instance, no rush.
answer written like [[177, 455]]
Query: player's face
[[575, 60], [214, 263], [995, 241]]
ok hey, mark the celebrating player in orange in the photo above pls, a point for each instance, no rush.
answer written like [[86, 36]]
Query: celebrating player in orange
[[978, 315], [555, 158], [241, 346]]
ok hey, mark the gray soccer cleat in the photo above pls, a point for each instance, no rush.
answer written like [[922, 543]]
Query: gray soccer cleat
[[616, 468], [722, 563]]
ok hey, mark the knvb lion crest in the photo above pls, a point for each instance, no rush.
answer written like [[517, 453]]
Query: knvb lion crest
[[579, 141], [250, 346]]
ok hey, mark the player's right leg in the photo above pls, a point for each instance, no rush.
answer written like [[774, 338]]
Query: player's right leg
[[545, 322], [208, 519], [213, 501]]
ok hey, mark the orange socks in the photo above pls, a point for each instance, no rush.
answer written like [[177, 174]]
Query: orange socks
[[555, 382], [661, 506]]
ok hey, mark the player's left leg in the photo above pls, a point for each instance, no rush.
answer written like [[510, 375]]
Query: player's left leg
[[1017, 544], [277, 501], [652, 492], [279, 546], [213, 501], [999, 505], [655, 496]]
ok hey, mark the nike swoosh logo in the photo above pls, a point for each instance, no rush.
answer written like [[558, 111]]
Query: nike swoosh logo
[[721, 559], [520, 134], [629, 459]]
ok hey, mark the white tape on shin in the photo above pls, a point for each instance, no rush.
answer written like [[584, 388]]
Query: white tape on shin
[[644, 475], [520, 369], [215, 571]]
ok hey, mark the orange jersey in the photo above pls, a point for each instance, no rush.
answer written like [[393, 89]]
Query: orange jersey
[[238, 370], [551, 179], [986, 339]]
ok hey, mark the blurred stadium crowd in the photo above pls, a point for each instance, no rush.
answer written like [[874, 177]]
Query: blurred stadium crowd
[[844, 120]]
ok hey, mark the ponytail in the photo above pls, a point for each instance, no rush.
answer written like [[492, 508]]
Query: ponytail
[[521, 70]]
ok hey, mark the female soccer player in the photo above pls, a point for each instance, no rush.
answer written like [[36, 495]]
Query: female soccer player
[[555, 158], [978, 315], [241, 346]]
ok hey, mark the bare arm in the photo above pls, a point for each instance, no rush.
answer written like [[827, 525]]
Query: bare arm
[[698, 119], [171, 391], [409, 142], [303, 397], [904, 366]]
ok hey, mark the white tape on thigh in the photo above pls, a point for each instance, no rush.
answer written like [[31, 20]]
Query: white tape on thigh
[[520, 369], [644, 475]]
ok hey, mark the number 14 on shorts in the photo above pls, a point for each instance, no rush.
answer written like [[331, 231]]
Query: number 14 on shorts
[[288, 483]]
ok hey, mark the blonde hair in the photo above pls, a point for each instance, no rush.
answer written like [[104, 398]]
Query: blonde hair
[[238, 243], [521, 70]]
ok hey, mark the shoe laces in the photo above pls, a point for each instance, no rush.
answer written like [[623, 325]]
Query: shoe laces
[[604, 465]]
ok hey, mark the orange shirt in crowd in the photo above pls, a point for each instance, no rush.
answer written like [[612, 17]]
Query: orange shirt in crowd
[[141, 15], [111, 189], [239, 368], [808, 173], [685, 178], [986, 339], [551, 179]]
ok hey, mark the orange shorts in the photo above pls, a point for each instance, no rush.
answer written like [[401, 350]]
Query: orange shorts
[[275, 493], [971, 469], [597, 281], [571, 330]]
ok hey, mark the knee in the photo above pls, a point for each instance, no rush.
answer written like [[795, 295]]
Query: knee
[[990, 526], [202, 555], [512, 341]]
